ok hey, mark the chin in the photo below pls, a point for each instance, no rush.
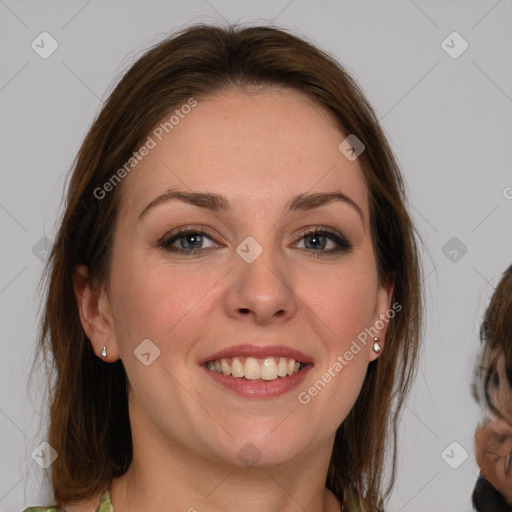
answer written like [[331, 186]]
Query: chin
[[262, 451]]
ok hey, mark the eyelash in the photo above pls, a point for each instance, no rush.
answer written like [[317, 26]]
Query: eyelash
[[165, 242]]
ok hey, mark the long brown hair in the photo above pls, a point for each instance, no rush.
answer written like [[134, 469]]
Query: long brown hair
[[89, 424]]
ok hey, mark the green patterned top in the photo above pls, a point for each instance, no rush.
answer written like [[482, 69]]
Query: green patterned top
[[104, 506]]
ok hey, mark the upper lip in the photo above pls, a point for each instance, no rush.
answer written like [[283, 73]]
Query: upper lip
[[258, 351]]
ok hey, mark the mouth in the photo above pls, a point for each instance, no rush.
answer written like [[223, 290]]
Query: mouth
[[252, 371]]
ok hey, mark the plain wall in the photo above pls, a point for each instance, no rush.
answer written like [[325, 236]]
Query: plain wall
[[449, 121]]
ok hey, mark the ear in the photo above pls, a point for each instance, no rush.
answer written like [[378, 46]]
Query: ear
[[382, 314], [95, 314]]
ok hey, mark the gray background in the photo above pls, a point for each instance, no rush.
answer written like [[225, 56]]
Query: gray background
[[449, 120]]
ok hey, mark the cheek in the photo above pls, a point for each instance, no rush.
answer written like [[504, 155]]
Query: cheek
[[343, 302], [157, 302], [342, 307], [171, 308]]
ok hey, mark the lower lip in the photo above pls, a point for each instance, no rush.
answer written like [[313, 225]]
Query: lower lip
[[260, 388]]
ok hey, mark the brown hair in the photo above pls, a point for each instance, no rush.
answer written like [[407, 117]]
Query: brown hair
[[496, 337], [89, 424]]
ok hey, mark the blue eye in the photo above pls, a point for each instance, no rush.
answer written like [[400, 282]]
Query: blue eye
[[190, 241], [318, 241]]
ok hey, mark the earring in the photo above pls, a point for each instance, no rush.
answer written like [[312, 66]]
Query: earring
[[376, 345], [104, 352]]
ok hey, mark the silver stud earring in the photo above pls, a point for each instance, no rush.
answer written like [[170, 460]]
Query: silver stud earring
[[104, 352], [376, 345]]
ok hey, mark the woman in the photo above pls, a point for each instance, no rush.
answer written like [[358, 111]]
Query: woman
[[493, 438], [247, 287]]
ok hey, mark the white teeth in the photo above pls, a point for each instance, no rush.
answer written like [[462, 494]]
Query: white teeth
[[269, 369], [226, 370], [253, 369], [237, 368], [282, 368]]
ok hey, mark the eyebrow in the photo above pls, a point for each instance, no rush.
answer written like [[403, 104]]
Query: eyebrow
[[217, 202]]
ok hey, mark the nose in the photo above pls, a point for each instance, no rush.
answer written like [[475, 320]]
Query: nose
[[262, 291]]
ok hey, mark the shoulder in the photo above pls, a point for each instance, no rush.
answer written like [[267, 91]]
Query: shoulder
[[99, 503], [66, 508], [42, 509]]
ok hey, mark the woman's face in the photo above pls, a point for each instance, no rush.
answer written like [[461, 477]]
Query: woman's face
[[251, 277], [499, 390], [493, 439]]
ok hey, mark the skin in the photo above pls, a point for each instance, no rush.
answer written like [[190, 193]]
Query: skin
[[493, 439], [259, 149]]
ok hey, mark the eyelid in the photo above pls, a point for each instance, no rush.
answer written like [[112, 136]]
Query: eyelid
[[316, 229]]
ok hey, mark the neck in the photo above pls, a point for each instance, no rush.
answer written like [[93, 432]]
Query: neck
[[166, 475]]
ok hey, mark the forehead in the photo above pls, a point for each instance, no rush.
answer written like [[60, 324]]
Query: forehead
[[273, 143]]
